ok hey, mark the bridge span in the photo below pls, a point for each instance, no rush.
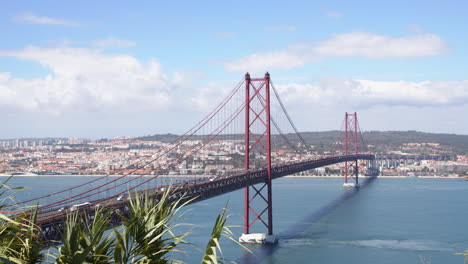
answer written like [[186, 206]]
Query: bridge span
[[52, 221], [415, 157]]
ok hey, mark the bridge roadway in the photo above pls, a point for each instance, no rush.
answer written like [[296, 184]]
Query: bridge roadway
[[414, 157], [52, 221]]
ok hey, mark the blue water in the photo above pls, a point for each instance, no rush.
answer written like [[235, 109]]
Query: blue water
[[407, 220]]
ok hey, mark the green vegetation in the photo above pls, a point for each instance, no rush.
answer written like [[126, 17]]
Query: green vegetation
[[148, 235], [382, 141], [457, 144], [393, 140]]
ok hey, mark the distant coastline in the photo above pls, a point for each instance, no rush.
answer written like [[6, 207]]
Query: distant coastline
[[201, 176], [390, 177]]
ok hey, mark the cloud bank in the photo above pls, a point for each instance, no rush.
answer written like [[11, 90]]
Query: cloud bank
[[44, 20], [432, 106], [363, 44], [85, 79], [92, 81], [364, 94], [356, 44], [96, 84]]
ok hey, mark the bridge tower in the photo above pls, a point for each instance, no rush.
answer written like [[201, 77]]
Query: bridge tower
[[257, 138], [351, 147]]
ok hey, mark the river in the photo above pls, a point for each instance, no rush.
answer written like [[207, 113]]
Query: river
[[408, 220]]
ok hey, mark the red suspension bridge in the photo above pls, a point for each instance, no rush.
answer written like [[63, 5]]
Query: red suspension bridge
[[246, 141]]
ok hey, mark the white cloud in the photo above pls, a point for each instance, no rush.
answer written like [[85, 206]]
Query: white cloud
[[358, 44], [36, 19], [334, 14], [368, 93], [427, 93], [280, 28], [86, 80], [364, 44], [208, 96], [424, 106], [113, 43], [263, 62]]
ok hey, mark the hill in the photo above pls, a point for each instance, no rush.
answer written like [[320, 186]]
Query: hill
[[382, 141]]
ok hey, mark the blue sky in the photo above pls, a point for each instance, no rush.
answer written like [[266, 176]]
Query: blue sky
[[109, 68]]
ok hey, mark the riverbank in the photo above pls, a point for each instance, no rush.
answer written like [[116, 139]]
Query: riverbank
[[102, 175], [360, 176], [204, 176]]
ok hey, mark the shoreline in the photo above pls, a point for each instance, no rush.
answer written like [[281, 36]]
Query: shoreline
[[202, 176], [386, 176]]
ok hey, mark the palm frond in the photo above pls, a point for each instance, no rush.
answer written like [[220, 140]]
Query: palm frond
[[219, 230]]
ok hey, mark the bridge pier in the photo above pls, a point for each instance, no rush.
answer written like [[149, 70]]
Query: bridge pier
[[258, 238]]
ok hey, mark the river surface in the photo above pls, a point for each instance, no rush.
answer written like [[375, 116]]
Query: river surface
[[409, 220]]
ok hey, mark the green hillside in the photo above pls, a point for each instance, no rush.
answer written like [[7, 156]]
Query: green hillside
[[382, 141]]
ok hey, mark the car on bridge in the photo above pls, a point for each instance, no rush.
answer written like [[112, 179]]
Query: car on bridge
[[79, 206]]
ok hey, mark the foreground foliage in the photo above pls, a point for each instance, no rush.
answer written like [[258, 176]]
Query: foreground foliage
[[146, 236]]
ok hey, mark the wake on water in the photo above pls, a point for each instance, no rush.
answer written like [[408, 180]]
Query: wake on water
[[411, 245]]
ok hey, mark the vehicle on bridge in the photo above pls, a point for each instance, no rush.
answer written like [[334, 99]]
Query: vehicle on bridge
[[79, 206]]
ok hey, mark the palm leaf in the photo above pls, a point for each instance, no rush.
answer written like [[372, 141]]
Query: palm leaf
[[213, 245]]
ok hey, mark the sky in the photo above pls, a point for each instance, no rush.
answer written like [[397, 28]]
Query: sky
[[95, 69]]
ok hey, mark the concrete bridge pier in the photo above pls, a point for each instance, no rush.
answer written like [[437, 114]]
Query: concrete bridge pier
[[258, 238]]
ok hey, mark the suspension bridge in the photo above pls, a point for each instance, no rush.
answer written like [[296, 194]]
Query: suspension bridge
[[248, 140]]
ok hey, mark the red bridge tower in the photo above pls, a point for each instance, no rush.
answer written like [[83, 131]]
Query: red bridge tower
[[351, 147], [257, 138]]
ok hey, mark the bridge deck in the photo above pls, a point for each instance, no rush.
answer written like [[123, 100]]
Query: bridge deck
[[52, 221]]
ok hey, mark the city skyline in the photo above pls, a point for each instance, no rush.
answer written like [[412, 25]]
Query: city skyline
[[102, 70]]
